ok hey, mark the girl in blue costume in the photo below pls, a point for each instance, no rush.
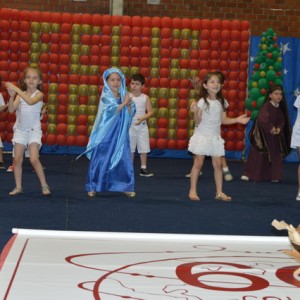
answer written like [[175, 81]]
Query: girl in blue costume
[[111, 167]]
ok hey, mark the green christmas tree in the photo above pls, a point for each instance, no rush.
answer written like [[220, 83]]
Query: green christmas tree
[[267, 71]]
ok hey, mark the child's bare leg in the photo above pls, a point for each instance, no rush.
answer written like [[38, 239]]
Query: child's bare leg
[[36, 164], [218, 173], [143, 158], [1, 155], [197, 166], [19, 150], [224, 162]]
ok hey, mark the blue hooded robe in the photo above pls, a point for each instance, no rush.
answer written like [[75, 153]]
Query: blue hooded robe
[[111, 167]]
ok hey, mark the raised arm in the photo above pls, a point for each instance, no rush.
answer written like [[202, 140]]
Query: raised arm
[[30, 101], [242, 119]]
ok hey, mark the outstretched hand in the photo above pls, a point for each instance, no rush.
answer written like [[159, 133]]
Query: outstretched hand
[[11, 89], [11, 86], [243, 119]]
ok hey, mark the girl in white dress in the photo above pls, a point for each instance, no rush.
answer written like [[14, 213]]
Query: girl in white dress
[[295, 141], [206, 140], [27, 101]]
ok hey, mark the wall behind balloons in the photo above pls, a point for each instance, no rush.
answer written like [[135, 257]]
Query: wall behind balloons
[[282, 16]]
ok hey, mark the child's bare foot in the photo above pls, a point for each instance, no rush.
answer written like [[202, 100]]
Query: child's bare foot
[[16, 191], [194, 197]]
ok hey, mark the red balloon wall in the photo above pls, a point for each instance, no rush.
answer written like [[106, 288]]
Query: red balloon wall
[[73, 50]]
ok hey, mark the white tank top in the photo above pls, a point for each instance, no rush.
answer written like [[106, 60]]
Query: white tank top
[[28, 116], [140, 104]]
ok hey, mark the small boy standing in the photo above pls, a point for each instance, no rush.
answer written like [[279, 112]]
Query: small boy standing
[[139, 132]]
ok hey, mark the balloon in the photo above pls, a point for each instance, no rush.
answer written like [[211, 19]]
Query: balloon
[[163, 112], [60, 128], [258, 59], [72, 110], [263, 67], [173, 93], [172, 123], [182, 143], [275, 54], [248, 104], [182, 134], [172, 144], [152, 132], [61, 140], [51, 139], [152, 122], [172, 113], [153, 92], [260, 102], [91, 119], [255, 76], [269, 61], [278, 81], [51, 128], [174, 74], [254, 93], [254, 114], [162, 102], [277, 66], [171, 134], [163, 93], [52, 99], [263, 83], [173, 103], [161, 143], [162, 132], [163, 123], [271, 75]]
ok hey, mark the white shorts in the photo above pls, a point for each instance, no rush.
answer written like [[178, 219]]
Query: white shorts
[[27, 137], [139, 138]]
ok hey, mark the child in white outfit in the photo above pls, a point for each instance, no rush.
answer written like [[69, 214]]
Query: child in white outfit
[[139, 132], [27, 101], [207, 140]]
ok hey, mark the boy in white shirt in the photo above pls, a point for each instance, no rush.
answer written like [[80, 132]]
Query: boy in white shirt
[[139, 132]]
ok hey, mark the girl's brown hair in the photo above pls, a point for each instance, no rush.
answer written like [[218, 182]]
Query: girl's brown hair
[[282, 103], [203, 91], [22, 84]]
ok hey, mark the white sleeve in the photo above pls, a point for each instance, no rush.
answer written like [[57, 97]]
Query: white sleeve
[[201, 104], [297, 102], [226, 104], [1, 100]]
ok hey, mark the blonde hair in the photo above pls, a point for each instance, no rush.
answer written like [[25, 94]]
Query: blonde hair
[[23, 85]]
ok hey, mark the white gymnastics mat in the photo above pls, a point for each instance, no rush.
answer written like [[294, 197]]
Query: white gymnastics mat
[[64, 265]]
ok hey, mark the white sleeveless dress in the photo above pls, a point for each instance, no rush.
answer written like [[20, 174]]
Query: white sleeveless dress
[[207, 139]]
